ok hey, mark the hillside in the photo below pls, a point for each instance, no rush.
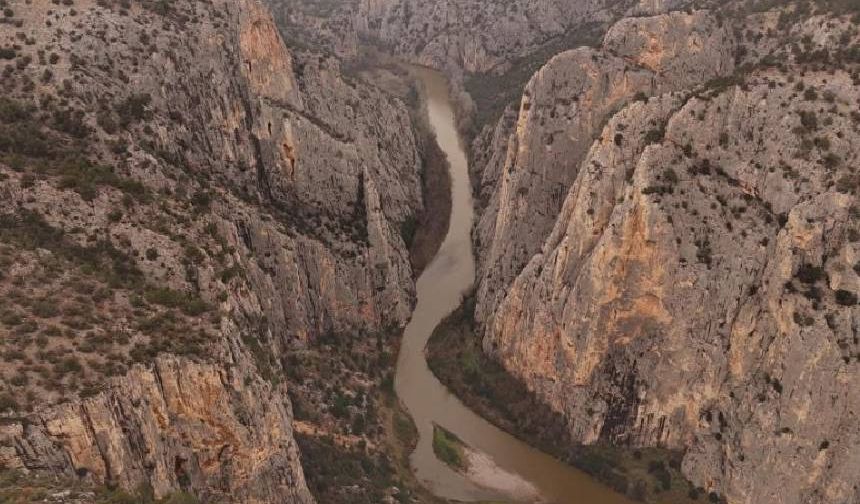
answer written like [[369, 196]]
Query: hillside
[[189, 207]]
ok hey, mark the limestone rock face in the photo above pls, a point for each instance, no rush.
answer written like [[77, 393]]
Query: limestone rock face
[[564, 106], [471, 35], [681, 47], [268, 65], [179, 424], [255, 203], [697, 286], [453, 35]]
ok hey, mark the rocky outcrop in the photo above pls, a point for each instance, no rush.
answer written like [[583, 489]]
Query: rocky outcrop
[[531, 167], [697, 288], [222, 433]]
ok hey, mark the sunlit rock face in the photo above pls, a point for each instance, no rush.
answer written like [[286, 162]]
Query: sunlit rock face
[[669, 258], [177, 424], [563, 109]]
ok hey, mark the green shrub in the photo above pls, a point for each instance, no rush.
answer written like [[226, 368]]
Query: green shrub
[[408, 228], [848, 183], [449, 448], [68, 365], [179, 498], [45, 308], [193, 254], [657, 469], [808, 119], [71, 122], [11, 318], [654, 136], [26, 139], [12, 111], [340, 407], [846, 298], [133, 109], [8, 403], [831, 160], [85, 178], [261, 357], [142, 495], [404, 429], [19, 380], [670, 176], [659, 190], [810, 274], [190, 304]]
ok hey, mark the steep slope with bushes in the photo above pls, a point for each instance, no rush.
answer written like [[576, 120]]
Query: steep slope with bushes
[[692, 282], [186, 204]]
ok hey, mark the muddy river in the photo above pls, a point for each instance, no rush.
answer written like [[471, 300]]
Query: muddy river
[[514, 469]]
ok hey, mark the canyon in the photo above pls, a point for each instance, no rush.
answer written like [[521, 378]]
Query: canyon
[[210, 212]]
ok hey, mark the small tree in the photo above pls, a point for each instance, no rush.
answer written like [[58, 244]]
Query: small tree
[[846, 298]]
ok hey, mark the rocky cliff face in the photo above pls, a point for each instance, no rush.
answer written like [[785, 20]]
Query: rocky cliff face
[[185, 200], [457, 35], [533, 161], [177, 424], [471, 35], [681, 270]]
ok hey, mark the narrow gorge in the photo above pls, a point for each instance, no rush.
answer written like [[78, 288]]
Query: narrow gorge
[[500, 466], [382, 251]]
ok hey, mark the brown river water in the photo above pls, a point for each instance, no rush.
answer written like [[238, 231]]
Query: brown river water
[[439, 291]]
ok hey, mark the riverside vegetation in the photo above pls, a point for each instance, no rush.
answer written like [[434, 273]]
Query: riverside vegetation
[[449, 448], [455, 356]]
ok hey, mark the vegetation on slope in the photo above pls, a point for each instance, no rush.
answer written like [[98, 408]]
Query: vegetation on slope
[[493, 91], [19, 488], [454, 355], [354, 437]]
